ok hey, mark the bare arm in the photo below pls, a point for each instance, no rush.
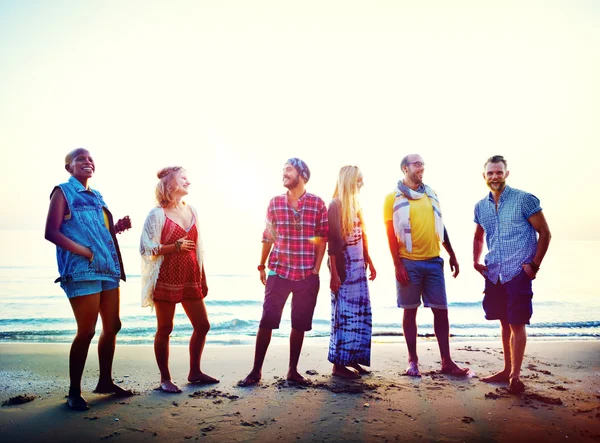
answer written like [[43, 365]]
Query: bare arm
[[56, 211], [538, 221], [453, 262], [321, 243], [478, 249], [266, 250], [334, 243], [401, 275], [335, 281]]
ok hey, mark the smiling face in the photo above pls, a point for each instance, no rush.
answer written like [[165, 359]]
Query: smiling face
[[291, 177], [79, 164], [413, 171], [181, 183], [495, 175]]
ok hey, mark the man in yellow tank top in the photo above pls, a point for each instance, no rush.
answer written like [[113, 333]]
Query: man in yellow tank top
[[414, 227]]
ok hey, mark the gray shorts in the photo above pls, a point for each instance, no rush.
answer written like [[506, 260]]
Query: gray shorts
[[426, 281]]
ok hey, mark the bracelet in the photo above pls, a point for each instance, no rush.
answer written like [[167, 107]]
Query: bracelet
[[261, 267], [178, 245], [534, 266]]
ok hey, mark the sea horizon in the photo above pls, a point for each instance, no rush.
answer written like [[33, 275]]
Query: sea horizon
[[34, 309]]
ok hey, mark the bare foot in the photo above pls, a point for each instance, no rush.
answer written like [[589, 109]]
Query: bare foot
[[360, 369], [453, 369], [77, 403], [202, 379], [413, 369], [113, 389], [516, 386], [296, 377], [344, 372], [251, 379], [169, 387], [499, 377]]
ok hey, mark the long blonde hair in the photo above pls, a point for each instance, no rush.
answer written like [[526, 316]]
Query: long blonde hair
[[166, 185], [346, 191]]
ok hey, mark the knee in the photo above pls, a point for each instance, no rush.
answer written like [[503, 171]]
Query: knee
[[202, 328], [410, 314], [113, 328], [440, 313], [164, 331], [85, 335], [518, 330]]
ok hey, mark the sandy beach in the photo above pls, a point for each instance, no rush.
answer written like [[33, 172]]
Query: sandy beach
[[561, 402]]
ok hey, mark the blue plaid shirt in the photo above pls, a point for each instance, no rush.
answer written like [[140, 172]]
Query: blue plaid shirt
[[510, 238]]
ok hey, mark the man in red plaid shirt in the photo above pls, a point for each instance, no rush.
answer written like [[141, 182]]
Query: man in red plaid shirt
[[294, 241]]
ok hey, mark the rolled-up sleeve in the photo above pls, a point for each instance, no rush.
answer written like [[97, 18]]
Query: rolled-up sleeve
[[322, 228], [269, 234]]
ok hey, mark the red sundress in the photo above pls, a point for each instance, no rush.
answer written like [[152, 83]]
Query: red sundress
[[179, 276]]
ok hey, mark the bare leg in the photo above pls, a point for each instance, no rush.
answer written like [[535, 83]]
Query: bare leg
[[111, 325], [85, 308], [196, 312], [518, 340], [296, 340], [503, 376], [409, 326], [263, 339], [441, 326], [165, 312]]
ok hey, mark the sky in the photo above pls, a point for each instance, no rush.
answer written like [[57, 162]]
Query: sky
[[231, 89]]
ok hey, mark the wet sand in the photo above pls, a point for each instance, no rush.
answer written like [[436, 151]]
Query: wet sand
[[561, 401]]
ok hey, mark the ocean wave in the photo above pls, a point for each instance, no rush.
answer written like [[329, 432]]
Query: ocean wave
[[235, 303]]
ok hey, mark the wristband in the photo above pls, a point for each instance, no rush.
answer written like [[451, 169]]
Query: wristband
[[534, 266], [261, 267]]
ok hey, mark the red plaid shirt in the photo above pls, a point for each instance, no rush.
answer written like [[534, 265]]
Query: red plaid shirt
[[294, 234]]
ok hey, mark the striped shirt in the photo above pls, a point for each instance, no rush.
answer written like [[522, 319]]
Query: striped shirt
[[294, 234], [510, 238]]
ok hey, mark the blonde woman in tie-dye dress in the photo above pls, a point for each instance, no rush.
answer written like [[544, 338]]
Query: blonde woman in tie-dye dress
[[350, 341]]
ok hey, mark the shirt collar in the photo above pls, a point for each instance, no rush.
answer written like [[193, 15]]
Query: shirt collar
[[507, 189], [77, 185], [300, 199]]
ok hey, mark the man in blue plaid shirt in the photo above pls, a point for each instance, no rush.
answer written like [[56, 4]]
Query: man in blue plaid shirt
[[517, 238]]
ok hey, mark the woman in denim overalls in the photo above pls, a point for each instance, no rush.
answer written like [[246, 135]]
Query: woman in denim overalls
[[90, 267]]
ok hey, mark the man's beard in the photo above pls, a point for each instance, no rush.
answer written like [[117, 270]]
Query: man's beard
[[498, 186], [414, 177], [293, 183]]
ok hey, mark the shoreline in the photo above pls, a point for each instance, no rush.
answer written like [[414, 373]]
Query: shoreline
[[562, 399], [318, 340]]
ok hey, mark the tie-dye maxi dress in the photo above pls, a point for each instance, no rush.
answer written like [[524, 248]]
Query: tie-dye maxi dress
[[351, 324]]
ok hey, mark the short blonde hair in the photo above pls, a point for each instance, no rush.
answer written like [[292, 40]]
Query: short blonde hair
[[166, 185]]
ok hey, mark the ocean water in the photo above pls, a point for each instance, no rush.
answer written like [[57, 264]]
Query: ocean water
[[34, 309]]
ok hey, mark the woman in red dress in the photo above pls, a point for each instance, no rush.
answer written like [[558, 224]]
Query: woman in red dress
[[173, 272]]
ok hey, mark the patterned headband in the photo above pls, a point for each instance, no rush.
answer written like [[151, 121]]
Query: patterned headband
[[301, 167], [164, 172]]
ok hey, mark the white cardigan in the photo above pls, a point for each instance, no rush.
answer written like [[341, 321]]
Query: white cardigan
[[149, 248]]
